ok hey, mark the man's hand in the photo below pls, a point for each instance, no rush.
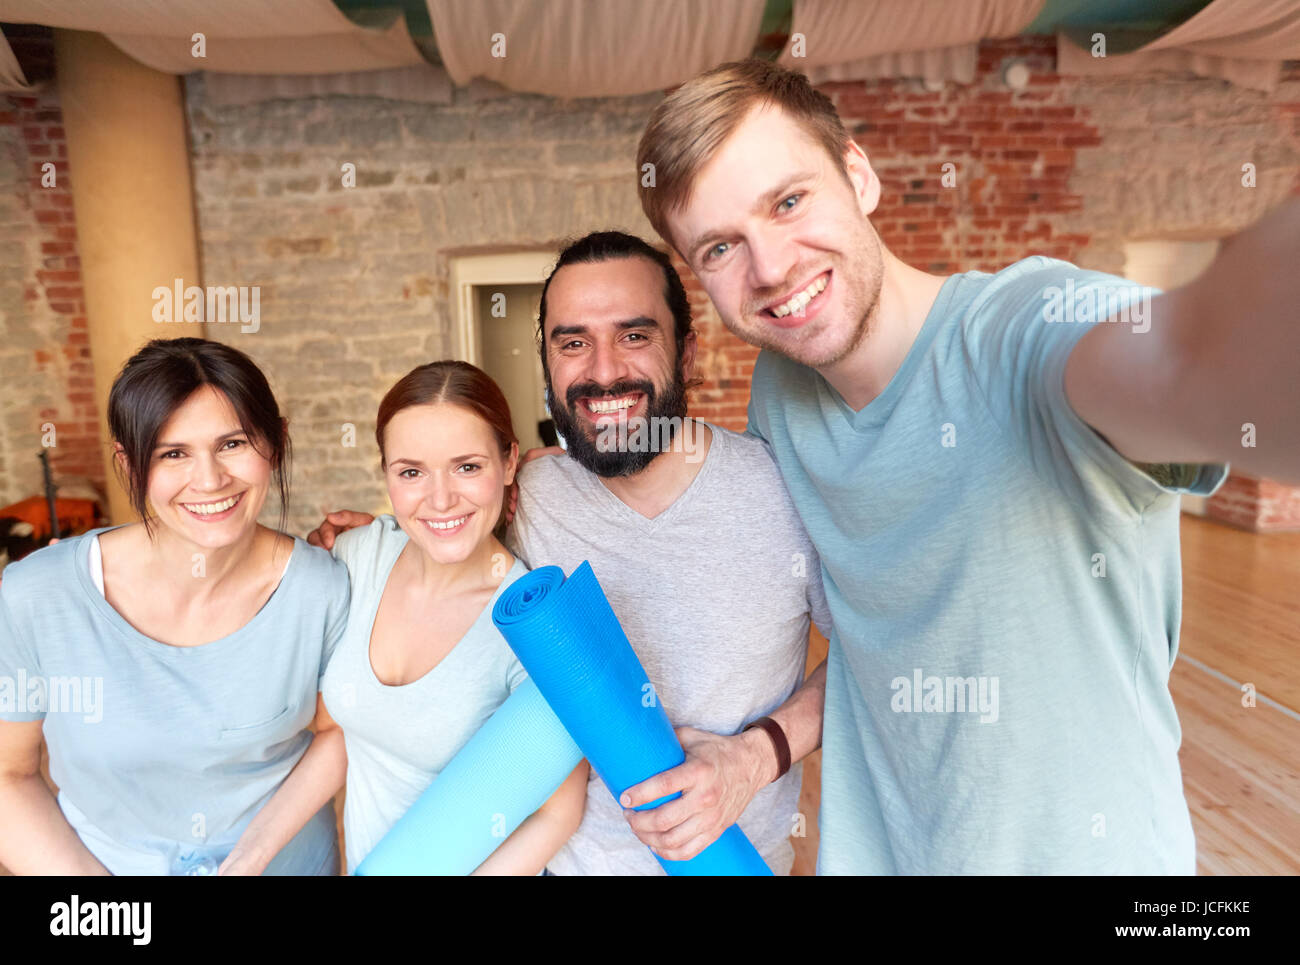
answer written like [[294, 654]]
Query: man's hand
[[335, 523], [528, 456], [719, 778]]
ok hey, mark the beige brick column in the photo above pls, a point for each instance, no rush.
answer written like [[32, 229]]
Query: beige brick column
[[133, 197]]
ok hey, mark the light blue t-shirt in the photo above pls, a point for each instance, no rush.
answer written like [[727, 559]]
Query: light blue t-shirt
[[399, 738], [163, 754], [1005, 590]]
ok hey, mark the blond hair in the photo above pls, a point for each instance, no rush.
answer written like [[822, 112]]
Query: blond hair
[[689, 126]]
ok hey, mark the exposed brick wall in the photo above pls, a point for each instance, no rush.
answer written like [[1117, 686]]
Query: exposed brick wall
[[1069, 168], [45, 370], [1256, 504], [1013, 157], [1279, 506], [355, 281], [723, 361]]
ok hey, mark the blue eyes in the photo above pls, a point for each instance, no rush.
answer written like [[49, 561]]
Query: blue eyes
[[721, 248]]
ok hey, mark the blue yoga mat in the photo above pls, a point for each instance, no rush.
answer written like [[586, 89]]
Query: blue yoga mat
[[504, 773], [571, 644]]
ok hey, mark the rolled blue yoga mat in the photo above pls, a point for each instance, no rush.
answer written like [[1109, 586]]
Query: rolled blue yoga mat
[[504, 773], [568, 639]]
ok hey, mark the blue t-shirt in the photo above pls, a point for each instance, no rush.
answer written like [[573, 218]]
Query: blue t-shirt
[[163, 754], [1005, 590]]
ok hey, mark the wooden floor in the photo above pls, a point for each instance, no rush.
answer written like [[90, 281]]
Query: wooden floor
[[1241, 765]]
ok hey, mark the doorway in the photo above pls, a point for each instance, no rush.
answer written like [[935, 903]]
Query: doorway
[[496, 304], [507, 329]]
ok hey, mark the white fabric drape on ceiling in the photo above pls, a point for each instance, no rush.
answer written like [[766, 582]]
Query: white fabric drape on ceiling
[[425, 84], [12, 79], [581, 48], [1073, 61], [180, 18], [241, 36], [1253, 29], [1242, 41], [934, 39], [590, 48], [358, 48], [936, 64]]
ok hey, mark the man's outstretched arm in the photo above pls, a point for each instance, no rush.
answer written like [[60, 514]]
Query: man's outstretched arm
[[1214, 378]]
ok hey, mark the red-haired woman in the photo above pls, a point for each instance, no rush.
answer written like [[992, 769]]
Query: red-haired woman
[[422, 666]]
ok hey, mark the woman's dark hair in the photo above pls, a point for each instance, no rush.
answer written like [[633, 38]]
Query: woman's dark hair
[[157, 380], [455, 383]]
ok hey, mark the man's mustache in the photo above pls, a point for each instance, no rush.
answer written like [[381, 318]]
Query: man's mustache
[[590, 390]]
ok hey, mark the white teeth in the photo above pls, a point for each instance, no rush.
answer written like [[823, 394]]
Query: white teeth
[[801, 299], [209, 509], [452, 524], [615, 405]]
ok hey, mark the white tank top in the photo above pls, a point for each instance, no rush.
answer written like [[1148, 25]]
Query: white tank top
[[97, 566]]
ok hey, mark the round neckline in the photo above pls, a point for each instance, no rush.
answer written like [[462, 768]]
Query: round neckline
[[81, 563], [456, 647]]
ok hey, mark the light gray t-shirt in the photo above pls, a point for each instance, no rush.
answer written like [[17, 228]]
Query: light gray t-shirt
[[714, 594], [400, 738], [163, 754]]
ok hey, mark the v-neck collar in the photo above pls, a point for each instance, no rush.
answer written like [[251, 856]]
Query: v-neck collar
[[648, 525], [877, 412]]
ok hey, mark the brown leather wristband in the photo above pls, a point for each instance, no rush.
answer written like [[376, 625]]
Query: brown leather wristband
[[782, 745]]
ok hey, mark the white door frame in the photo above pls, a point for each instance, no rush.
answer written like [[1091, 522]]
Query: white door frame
[[471, 271]]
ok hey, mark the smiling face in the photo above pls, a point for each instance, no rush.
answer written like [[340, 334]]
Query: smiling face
[[611, 354], [207, 480], [781, 241], [446, 478]]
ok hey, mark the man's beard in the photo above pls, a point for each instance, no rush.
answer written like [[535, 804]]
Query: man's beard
[[611, 461]]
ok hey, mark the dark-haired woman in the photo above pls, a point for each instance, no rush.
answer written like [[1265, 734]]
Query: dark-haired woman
[[174, 663]]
